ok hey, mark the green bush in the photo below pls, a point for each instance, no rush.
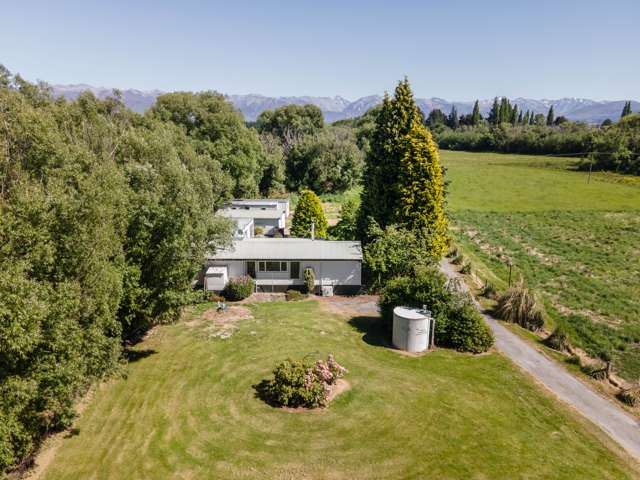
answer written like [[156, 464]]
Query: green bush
[[457, 323], [294, 295], [309, 280], [574, 360], [559, 340], [299, 384], [630, 397], [489, 290], [239, 288], [466, 329], [520, 305]]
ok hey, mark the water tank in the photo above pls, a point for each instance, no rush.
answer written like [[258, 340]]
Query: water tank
[[412, 329]]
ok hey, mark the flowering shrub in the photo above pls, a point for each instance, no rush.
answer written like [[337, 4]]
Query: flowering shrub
[[299, 384]]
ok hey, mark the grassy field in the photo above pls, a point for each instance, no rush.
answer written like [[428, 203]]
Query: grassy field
[[187, 409], [577, 243]]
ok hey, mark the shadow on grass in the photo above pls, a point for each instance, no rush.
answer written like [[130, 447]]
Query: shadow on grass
[[262, 392], [375, 333], [135, 355]]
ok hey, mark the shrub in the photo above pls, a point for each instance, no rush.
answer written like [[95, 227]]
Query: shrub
[[457, 323], [239, 288], [299, 384], [309, 280], [489, 290], [453, 252], [520, 305], [258, 231], [466, 269], [629, 396], [574, 360], [294, 295], [559, 340], [467, 331]]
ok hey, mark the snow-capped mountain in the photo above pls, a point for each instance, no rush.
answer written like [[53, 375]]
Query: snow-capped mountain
[[338, 108]]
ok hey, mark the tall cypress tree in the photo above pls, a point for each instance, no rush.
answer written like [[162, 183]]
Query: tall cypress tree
[[514, 115], [626, 110], [532, 118], [520, 118], [551, 116], [494, 114], [476, 118], [453, 121], [403, 180], [393, 122]]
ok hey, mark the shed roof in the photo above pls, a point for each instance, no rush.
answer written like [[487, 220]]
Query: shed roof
[[290, 249]]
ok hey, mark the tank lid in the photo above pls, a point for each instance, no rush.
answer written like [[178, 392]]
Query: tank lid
[[410, 313]]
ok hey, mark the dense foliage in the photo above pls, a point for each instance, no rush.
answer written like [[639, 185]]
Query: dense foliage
[[309, 280], [309, 216], [403, 181], [239, 288], [105, 217], [458, 324], [298, 384], [326, 159], [347, 226], [520, 305]]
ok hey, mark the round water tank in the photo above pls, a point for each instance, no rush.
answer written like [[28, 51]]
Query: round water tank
[[411, 328]]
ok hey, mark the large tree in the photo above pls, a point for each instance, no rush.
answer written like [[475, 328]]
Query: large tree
[[403, 182], [626, 110], [476, 117], [551, 117]]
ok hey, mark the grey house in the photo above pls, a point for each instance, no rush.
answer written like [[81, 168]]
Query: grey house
[[268, 214], [278, 264]]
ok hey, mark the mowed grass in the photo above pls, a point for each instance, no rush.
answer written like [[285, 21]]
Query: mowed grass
[[187, 409], [577, 243]]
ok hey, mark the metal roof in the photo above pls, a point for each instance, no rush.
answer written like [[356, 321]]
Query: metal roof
[[216, 270], [251, 213], [290, 249]]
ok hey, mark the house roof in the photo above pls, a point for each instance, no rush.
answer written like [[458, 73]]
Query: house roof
[[251, 213], [290, 249], [216, 270]]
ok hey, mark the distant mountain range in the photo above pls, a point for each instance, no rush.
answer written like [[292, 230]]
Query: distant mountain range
[[338, 108]]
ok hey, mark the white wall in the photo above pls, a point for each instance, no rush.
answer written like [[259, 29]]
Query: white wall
[[335, 272]]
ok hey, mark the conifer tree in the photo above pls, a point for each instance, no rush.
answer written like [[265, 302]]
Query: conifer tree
[[309, 211], [394, 121], [532, 118], [494, 114], [626, 110], [476, 117], [520, 118], [551, 116], [421, 187], [403, 179], [514, 115], [453, 121]]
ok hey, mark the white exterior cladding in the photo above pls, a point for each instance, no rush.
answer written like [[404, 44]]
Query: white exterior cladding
[[266, 213], [338, 264]]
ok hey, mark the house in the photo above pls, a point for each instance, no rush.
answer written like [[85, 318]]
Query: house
[[268, 214], [278, 264]]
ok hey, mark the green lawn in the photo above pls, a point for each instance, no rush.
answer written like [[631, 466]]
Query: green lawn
[[576, 242], [187, 409]]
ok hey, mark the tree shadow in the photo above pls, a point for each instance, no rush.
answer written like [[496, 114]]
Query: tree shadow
[[262, 392], [135, 355], [374, 330], [72, 432]]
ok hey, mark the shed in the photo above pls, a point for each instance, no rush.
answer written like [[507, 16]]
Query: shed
[[216, 278]]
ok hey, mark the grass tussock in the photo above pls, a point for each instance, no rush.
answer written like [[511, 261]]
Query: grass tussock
[[520, 305]]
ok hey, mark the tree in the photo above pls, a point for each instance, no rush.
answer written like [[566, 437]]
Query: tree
[[436, 117], [347, 226], [453, 121], [520, 118], [539, 120], [526, 119], [380, 195], [327, 162], [494, 114], [551, 117], [626, 110], [309, 212], [476, 118], [291, 123], [514, 115]]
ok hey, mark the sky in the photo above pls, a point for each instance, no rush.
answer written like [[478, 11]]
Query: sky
[[455, 49]]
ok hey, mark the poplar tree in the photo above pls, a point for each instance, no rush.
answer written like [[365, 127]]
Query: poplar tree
[[494, 114], [453, 121], [626, 110], [551, 116], [514, 115], [527, 116], [520, 118], [476, 118]]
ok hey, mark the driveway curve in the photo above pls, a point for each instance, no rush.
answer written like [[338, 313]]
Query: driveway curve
[[617, 423]]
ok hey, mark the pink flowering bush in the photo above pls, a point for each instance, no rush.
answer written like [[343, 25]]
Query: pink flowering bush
[[299, 384]]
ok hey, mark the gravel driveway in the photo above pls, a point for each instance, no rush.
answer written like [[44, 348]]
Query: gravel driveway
[[618, 424]]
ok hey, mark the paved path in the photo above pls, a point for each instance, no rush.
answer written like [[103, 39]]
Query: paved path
[[620, 425]]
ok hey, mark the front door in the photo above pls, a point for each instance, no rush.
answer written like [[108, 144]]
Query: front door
[[251, 269]]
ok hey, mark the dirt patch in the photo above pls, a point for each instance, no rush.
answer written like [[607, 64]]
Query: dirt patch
[[359, 305], [340, 386], [261, 297], [224, 323]]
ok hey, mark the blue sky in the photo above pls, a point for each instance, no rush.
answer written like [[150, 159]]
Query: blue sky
[[451, 49]]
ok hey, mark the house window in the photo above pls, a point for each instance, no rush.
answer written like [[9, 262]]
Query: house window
[[272, 266], [295, 270]]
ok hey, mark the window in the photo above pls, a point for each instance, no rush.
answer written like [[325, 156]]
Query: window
[[272, 266], [295, 270]]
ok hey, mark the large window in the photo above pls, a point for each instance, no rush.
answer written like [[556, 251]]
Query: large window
[[272, 266]]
